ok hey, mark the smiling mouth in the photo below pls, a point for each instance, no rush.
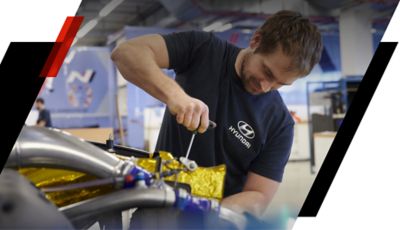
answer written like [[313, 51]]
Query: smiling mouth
[[252, 89], [255, 90]]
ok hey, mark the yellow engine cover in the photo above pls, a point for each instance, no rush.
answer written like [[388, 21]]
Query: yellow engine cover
[[47, 177], [205, 182]]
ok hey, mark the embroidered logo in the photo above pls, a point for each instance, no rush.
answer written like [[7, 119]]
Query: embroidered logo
[[246, 130]]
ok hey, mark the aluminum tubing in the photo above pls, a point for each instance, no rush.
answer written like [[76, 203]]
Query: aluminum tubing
[[53, 148], [119, 201]]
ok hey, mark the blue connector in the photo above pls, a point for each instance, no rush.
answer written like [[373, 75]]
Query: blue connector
[[186, 202]]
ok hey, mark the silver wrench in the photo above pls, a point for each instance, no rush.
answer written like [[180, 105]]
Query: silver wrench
[[191, 165]]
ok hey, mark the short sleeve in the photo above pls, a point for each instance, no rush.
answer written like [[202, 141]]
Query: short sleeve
[[44, 115], [272, 160], [183, 47]]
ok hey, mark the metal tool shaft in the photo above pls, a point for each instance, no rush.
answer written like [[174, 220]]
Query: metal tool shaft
[[211, 125], [190, 144]]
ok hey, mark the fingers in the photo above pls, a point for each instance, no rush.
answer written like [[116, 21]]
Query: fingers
[[193, 115], [195, 123], [204, 121], [180, 117], [190, 112]]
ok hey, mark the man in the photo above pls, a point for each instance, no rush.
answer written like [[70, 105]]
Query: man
[[236, 88], [44, 119]]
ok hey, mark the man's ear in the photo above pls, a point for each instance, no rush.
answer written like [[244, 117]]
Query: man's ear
[[255, 40]]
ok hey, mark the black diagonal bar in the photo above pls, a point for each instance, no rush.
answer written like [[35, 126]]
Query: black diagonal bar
[[19, 72], [347, 130]]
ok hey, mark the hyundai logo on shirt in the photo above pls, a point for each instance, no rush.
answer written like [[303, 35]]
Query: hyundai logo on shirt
[[246, 130]]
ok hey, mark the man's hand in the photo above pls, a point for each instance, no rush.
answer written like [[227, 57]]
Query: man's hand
[[190, 112], [41, 123], [257, 194]]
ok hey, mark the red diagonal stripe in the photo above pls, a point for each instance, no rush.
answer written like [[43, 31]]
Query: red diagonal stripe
[[61, 46]]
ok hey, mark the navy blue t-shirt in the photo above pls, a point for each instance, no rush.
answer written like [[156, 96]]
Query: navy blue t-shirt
[[44, 115], [254, 132]]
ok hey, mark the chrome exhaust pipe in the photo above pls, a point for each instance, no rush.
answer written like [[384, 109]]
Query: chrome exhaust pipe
[[53, 148], [119, 201]]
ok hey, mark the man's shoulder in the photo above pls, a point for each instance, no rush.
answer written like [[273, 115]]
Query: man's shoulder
[[196, 36], [209, 38], [45, 113], [201, 34], [193, 45], [215, 43], [277, 98], [280, 108]]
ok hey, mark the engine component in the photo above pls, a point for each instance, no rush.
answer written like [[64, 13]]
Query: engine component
[[57, 150], [205, 182], [23, 206], [53, 148]]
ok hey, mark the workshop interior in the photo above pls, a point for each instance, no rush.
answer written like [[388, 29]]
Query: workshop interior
[[97, 165]]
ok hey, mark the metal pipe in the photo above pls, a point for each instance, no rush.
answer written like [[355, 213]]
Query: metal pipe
[[83, 185], [53, 148], [119, 201], [239, 220]]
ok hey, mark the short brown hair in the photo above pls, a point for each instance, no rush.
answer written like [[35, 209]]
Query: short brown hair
[[296, 35], [40, 100]]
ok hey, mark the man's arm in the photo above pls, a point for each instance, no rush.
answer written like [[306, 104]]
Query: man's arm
[[41, 123], [257, 193], [259, 190], [139, 60]]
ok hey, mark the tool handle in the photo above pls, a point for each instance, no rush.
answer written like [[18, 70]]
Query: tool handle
[[211, 125]]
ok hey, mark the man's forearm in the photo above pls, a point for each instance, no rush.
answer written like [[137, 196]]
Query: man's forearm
[[139, 62], [252, 202], [41, 123], [143, 71]]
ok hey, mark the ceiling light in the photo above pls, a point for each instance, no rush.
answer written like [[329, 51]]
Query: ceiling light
[[109, 7]]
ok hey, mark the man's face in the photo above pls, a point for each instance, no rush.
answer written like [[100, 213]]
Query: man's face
[[261, 73], [38, 105]]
